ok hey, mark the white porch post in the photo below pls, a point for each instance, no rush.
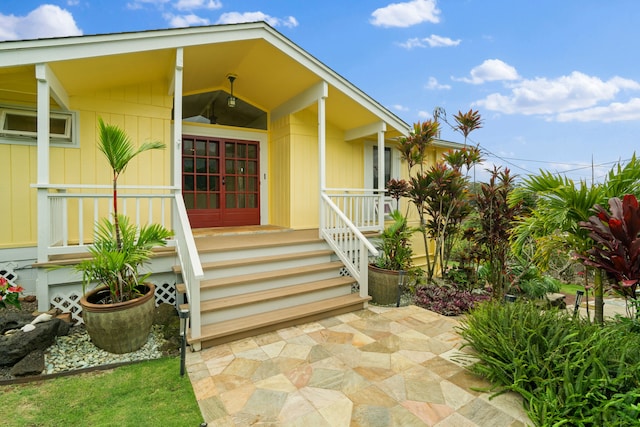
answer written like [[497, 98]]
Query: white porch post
[[44, 210], [381, 183], [322, 153], [176, 169]]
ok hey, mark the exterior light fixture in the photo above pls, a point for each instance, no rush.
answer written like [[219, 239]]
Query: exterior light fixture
[[231, 100]]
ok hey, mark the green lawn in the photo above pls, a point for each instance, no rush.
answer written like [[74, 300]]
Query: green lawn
[[570, 288], [150, 393]]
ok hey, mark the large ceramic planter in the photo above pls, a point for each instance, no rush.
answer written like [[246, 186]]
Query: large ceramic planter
[[121, 327], [383, 285]]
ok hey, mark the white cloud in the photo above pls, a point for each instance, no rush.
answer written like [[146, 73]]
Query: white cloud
[[406, 14], [73, 2], [491, 70], [424, 115], [237, 17], [433, 84], [614, 112], [197, 4], [400, 107], [574, 93], [431, 41], [179, 21], [45, 21]]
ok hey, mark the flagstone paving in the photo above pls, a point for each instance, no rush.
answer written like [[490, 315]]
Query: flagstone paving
[[375, 367]]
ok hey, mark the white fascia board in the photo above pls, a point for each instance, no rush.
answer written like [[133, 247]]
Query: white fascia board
[[301, 101], [367, 130], [16, 53]]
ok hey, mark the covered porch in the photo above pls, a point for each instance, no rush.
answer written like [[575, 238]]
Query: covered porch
[[310, 146]]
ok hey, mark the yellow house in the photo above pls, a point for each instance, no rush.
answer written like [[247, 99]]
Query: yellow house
[[264, 141]]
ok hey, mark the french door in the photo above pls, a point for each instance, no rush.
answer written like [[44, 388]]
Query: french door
[[221, 181]]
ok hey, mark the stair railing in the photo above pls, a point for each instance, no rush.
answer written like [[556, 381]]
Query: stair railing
[[189, 260], [349, 244]]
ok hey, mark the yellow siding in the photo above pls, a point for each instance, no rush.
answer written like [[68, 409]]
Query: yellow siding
[[18, 214], [294, 183], [304, 170], [345, 161], [144, 112], [279, 174]]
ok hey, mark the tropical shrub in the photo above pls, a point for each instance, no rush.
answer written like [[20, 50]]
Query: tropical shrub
[[570, 372], [617, 243], [394, 245]]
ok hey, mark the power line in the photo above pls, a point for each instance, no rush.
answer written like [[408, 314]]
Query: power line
[[580, 167]]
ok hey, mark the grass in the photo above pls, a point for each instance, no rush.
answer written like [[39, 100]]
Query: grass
[[570, 288], [150, 393]]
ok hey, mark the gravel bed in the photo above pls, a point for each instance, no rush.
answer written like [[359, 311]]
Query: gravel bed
[[76, 351]]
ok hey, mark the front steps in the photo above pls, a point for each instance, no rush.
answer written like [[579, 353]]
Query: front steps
[[258, 282]]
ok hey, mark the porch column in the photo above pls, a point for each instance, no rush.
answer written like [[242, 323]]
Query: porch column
[[381, 183], [42, 163], [322, 155], [176, 88]]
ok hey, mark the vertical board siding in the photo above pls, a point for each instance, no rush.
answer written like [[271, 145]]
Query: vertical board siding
[[279, 173], [144, 112], [304, 169]]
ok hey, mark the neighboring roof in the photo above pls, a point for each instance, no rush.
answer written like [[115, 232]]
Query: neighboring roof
[[156, 48], [441, 143]]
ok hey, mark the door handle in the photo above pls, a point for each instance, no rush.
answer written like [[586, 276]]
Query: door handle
[[223, 180]]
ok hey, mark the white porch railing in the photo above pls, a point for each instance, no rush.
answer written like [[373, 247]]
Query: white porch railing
[[361, 206], [347, 241], [75, 209]]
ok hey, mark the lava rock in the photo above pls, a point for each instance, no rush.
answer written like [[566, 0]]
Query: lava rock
[[31, 364], [17, 345]]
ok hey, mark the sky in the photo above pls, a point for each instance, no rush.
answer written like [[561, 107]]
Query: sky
[[557, 83]]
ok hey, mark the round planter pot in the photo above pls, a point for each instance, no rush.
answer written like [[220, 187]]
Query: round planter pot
[[383, 285], [121, 327]]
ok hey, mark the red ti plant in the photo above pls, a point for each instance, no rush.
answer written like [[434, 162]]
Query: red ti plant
[[397, 188], [616, 248]]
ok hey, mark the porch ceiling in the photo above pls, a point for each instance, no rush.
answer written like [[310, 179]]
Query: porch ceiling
[[266, 76]]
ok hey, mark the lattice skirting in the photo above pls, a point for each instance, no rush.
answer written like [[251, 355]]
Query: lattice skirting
[[70, 302], [8, 274]]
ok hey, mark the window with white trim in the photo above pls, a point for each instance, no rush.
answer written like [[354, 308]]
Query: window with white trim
[[391, 164], [391, 169], [19, 125]]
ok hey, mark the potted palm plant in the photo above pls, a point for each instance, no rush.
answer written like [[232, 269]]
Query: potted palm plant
[[118, 313], [395, 257]]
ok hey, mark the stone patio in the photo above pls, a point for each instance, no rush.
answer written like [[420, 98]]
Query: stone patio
[[375, 367]]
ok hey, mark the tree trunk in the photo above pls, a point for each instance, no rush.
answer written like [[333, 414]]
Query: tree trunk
[[599, 297]]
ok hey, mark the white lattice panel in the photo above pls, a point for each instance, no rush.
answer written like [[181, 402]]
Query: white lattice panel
[[8, 274], [69, 304], [165, 293]]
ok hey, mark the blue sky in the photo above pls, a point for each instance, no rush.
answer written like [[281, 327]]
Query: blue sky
[[556, 82]]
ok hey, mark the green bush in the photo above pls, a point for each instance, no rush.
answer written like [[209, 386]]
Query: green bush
[[569, 372]]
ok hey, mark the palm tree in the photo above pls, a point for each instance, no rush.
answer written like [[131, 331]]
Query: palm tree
[[560, 205], [119, 151]]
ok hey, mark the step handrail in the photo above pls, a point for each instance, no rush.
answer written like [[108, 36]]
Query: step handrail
[[349, 244], [192, 273]]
